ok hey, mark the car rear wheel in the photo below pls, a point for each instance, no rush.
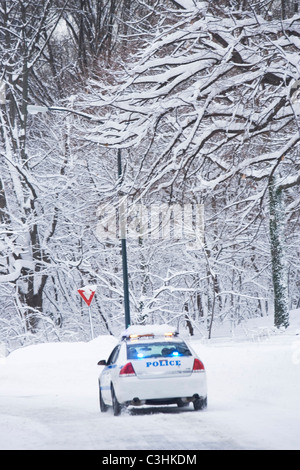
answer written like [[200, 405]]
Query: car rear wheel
[[115, 404], [200, 403], [103, 406]]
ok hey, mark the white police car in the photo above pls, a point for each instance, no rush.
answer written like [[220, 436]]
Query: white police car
[[151, 365]]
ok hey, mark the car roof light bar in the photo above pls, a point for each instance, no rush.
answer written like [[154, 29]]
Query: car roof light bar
[[137, 332], [135, 336]]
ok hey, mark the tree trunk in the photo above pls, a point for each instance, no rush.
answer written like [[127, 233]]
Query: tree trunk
[[31, 296], [279, 268]]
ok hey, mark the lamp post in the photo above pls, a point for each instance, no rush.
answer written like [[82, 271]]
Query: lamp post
[[32, 109], [124, 252]]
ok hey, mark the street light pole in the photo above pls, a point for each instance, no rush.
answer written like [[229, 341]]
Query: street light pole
[[124, 251], [32, 109]]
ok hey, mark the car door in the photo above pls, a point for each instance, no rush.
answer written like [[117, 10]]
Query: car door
[[108, 374]]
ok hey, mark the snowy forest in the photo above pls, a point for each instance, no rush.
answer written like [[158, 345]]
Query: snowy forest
[[169, 104]]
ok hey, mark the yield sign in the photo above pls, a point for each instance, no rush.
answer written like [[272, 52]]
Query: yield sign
[[87, 293]]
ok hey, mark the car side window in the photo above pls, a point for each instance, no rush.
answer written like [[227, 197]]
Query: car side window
[[114, 355]]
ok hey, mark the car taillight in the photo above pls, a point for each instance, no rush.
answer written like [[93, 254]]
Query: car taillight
[[198, 366], [127, 370]]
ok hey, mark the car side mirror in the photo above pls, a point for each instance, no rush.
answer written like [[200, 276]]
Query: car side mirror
[[102, 362]]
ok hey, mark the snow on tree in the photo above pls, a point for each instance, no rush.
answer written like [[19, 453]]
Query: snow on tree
[[206, 114], [25, 31], [210, 101], [49, 180]]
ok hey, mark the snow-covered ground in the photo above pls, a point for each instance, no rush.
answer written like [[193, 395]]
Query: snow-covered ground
[[49, 397]]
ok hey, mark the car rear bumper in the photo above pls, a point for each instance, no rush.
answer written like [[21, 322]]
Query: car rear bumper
[[133, 390]]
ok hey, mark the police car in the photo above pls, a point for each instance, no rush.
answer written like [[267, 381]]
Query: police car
[[152, 365]]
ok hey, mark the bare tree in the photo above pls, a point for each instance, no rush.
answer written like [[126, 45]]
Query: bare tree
[[25, 30], [214, 97]]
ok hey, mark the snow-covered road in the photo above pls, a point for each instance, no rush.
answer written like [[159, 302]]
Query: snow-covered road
[[49, 400], [52, 423]]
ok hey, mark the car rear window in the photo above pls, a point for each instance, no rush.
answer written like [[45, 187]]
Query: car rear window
[[159, 349]]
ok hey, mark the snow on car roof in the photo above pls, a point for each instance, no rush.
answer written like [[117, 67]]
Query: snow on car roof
[[140, 331]]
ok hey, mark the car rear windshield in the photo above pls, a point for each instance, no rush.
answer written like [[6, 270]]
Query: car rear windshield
[[159, 349]]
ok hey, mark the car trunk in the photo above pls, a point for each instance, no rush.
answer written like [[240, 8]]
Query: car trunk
[[150, 368]]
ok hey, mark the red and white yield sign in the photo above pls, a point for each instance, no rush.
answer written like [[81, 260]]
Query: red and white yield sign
[[87, 293]]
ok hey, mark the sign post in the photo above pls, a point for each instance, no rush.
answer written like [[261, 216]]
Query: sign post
[[87, 293]]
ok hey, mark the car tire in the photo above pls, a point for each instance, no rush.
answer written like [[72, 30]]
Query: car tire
[[200, 403], [103, 406], [115, 404]]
